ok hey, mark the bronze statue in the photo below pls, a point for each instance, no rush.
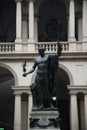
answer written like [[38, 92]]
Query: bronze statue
[[46, 78]]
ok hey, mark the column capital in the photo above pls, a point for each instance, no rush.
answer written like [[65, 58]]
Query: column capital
[[73, 93], [77, 88], [85, 93], [29, 93], [17, 93]]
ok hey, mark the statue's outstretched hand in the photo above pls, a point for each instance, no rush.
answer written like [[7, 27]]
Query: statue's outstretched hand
[[24, 74]]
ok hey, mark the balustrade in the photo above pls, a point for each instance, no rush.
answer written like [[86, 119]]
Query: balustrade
[[7, 47], [51, 47]]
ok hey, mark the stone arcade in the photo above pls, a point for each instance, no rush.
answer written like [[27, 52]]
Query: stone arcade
[[26, 25]]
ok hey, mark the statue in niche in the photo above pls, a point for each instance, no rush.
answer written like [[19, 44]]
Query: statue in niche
[[46, 79]]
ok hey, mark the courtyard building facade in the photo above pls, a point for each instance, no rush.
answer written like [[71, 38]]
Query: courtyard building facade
[[26, 25]]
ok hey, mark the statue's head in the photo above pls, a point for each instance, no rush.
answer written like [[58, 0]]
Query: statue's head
[[41, 51]]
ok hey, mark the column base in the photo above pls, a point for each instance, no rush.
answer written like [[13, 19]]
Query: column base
[[84, 44], [84, 38], [31, 40], [18, 40], [18, 46], [71, 39], [72, 45]]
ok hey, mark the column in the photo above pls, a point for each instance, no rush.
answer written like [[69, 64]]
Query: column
[[71, 21], [25, 28], [17, 112], [31, 21], [79, 28], [29, 107], [74, 113], [79, 45], [85, 103], [84, 23], [18, 21], [36, 29], [82, 115]]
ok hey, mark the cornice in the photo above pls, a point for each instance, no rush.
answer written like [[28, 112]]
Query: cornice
[[76, 89], [19, 90], [71, 56]]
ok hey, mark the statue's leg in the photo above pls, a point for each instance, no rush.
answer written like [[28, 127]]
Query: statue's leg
[[39, 93], [46, 92]]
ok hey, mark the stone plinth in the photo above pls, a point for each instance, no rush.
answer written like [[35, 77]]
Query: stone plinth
[[44, 119]]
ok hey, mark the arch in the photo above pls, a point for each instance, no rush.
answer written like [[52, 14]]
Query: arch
[[68, 73], [11, 70], [39, 3]]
